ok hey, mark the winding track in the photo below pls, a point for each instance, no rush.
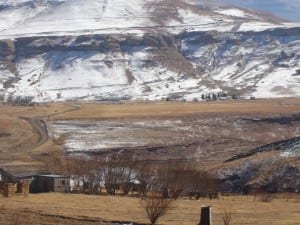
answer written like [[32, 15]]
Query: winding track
[[39, 127]]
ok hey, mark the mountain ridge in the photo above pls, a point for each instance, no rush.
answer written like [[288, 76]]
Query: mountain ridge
[[147, 50]]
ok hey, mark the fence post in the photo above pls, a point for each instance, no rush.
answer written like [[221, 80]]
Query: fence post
[[205, 217]]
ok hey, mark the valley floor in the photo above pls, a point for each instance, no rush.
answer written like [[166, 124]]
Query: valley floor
[[24, 131], [54, 208]]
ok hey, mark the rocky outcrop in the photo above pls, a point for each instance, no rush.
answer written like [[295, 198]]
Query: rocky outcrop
[[7, 49]]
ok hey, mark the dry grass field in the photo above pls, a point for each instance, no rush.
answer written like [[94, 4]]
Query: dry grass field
[[165, 109], [24, 139], [77, 110], [87, 209]]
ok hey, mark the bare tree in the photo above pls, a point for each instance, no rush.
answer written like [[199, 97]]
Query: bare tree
[[127, 173], [227, 217], [155, 206], [110, 175], [201, 184], [93, 175], [172, 179], [119, 174], [77, 167], [86, 172], [54, 161]]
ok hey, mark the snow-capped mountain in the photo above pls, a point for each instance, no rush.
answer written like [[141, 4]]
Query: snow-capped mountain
[[55, 50]]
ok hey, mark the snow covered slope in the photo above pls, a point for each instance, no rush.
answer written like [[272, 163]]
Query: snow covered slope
[[79, 17], [14, 12], [57, 50]]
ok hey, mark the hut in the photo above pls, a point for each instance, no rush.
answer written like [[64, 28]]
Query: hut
[[50, 183], [23, 184], [11, 185]]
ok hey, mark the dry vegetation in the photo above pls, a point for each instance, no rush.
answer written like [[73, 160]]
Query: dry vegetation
[[22, 143], [87, 209], [163, 109]]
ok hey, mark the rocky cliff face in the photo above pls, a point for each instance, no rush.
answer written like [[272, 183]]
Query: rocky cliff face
[[112, 50]]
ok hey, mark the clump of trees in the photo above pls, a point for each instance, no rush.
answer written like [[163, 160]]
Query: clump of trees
[[158, 185], [214, 96], [123, 174], [20, 100]]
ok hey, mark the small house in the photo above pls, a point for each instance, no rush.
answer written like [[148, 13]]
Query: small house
[[50, 183], [11, 185]]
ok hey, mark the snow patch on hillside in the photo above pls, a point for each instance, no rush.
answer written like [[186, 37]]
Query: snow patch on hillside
[[232, 12], [258, 26], [279, 83], [100, 135], [294, 151], [90, 75]]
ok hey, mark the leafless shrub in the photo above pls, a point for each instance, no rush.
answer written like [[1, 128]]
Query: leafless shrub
[[88, 172], [54, 161], [119, 174], [266, 197], [155, 206], [227, 217], [173, 179]]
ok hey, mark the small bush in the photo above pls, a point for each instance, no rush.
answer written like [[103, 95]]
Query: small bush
[[266, 198], [227, 217], [155, 206]]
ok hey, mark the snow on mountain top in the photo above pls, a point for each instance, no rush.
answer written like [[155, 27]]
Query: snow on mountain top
[[75, 15], [13, 12], [26, 18]]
